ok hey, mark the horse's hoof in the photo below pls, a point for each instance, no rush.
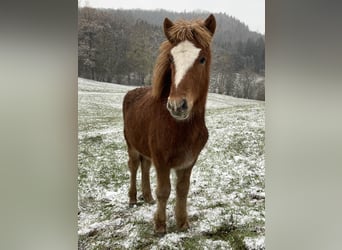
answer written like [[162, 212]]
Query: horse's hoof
[[160, 229], [151, 202], [148, 199], [132, 204], [184, 226], [160, 234]]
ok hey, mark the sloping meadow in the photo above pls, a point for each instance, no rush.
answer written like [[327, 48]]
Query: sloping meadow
[[226, 202]]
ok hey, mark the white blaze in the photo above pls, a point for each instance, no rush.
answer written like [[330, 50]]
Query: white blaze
[[184, 56]]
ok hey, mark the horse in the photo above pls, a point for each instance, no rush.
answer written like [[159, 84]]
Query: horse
[[164, 124]]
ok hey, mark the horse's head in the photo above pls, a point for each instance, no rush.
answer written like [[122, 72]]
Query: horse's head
[[190, 64]]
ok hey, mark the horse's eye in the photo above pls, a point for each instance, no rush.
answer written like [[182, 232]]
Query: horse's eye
[[170, 59], [202, 60]]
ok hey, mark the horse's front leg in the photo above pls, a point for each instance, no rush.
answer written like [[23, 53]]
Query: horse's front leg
[[162, 192], [182, 190]]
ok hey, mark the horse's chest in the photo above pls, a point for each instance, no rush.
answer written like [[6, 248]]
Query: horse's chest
[[184, 152]]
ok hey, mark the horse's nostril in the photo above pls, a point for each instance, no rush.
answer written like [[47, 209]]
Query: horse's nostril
[[184, 104], [177, 107]]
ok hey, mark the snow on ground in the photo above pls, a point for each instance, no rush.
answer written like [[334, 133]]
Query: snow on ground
[[226, 202]]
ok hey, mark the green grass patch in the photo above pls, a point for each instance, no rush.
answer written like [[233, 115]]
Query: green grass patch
[[229, 232], [226, 176]]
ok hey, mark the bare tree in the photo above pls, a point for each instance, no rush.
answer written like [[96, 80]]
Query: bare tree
[[244, 84], [121, 46]]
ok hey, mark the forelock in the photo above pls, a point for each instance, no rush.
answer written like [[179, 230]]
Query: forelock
[[193, 31]]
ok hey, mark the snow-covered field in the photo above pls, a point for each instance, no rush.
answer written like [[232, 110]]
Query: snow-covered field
[[226, 202]]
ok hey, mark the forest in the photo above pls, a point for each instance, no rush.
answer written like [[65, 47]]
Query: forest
[[120, 46]]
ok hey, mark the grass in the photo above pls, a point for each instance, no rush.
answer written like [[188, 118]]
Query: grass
[[226, 202]]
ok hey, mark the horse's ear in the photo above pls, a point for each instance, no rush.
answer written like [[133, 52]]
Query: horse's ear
[[210, 24], [167, 26]]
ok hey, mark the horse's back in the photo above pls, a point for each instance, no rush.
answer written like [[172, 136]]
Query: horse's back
[[134, 96]]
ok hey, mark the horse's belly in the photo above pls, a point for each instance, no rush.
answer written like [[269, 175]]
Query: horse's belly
[[140, 144]]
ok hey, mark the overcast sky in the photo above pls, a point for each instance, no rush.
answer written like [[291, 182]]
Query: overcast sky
[[250, 12]]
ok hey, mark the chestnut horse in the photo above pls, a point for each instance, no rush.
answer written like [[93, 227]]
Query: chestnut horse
[[164, 124]]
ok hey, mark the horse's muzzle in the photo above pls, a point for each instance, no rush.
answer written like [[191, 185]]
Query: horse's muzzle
[[178, 108]]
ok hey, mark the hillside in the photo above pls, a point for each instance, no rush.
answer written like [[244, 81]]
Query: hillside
[[226, 201], [229, 29], [121, 46]]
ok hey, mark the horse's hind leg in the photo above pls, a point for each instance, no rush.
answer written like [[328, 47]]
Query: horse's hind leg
[[145, 180], [133, 165]]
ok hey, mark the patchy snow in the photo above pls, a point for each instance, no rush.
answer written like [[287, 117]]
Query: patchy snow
[[227, 191], [255, 243], [217, 101]]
